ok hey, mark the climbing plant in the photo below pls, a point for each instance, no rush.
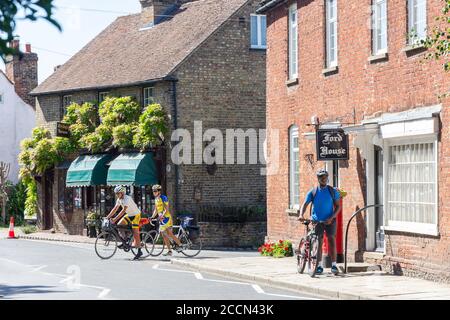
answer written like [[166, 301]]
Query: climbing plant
[[119, 122]]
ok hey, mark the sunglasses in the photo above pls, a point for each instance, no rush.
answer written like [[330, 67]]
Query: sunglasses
[[156, 191]]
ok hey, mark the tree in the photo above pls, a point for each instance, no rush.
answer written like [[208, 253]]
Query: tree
[[4, 172], [439, 39], [9, 13]]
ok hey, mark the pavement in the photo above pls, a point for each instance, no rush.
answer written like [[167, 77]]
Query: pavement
[[281, 273]]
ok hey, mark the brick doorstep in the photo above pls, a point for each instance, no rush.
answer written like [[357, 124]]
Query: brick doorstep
[[373, 285]]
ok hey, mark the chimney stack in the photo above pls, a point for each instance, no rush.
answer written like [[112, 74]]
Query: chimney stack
[[153, 11], [22, 70]]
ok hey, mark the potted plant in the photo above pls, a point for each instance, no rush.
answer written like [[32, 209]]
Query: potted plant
[[92, 222]]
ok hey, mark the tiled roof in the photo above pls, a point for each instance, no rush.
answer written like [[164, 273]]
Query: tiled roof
[[125, 55]]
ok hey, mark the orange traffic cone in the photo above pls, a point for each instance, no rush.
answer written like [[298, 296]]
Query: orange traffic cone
[[11, 234]]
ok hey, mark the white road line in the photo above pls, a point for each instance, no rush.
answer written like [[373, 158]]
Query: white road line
[[39, 268], [255, 287], [104, 291], [258, 289]]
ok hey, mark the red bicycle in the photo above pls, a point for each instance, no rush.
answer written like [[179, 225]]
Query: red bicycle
[[308, 253]]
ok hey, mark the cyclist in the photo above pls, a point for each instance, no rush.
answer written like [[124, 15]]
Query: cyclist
[[165, 218], [130, 213], [324, 200]]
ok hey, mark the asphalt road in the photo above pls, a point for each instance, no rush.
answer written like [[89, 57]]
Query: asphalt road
[[63, 271]]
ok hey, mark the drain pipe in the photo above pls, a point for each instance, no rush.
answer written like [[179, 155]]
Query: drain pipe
[[175, 126]]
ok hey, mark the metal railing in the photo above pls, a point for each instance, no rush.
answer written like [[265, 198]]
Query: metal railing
[[348, 225]]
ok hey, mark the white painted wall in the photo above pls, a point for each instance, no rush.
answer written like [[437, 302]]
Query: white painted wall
[[17, 119]]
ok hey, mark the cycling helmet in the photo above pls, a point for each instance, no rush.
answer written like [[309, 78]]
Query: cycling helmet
[[156, 187], [322, 172], [119, 189]]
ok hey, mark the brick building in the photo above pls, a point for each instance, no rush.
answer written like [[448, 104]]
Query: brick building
[[202, 61], [329, 63]]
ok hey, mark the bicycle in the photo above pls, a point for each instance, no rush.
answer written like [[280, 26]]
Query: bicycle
[[308, 252], [107, 241], [191, 244]]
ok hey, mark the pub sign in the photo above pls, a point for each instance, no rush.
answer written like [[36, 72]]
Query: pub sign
[[62, 130], [332, 144]]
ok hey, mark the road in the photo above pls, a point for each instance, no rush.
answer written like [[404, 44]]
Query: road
[[67, 271]]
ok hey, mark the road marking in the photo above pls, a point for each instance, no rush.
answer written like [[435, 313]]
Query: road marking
[[255, 287], [39, 268], [104, 291], [258, 288]]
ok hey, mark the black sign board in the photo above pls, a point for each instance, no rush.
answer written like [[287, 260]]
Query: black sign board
[[332, 144], [62, 130]]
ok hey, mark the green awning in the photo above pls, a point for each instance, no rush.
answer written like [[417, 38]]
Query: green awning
[[136, 169], [88, 170]]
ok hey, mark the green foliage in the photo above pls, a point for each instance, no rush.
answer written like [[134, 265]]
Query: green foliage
[[151, 128], [121, 120], [123, 135], [32, 10], [115, 111], [439, 39], [16, 202], [83, 121], [31, 198], [29, 229]]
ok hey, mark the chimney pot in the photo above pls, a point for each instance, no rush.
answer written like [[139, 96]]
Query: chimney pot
[[28, 48], [15, 44]]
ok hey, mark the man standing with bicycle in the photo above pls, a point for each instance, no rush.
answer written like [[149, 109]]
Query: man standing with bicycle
[[325, 206]]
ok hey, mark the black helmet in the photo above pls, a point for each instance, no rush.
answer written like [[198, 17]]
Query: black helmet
[[322, 172]]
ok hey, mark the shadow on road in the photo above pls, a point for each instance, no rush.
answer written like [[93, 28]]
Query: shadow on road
[[7, 292]]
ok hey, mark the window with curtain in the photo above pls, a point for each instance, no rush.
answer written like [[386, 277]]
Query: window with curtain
[[417, 20], [331, 33], [294, 168], [379, 27], [412, 184], [293, 41], [258, 31]]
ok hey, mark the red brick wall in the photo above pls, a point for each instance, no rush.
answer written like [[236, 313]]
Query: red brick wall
[[402, 82]]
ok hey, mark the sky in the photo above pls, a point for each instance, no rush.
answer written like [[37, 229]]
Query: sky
[[81, 21]]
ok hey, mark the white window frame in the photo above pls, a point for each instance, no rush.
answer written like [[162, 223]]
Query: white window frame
[[293, 42], [102, 95], [404, 226], [412, 23], [377, 25], [148, 99], [259, 33], [66, 101], [331, 61], [294, 191]]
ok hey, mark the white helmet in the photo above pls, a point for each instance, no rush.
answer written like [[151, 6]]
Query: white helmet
[[119, 189]]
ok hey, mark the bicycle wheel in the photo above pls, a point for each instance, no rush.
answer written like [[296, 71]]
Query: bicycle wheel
[[158, 243], [106, 245], [302, 256], [192, 247], [314, 254], [148, 245]]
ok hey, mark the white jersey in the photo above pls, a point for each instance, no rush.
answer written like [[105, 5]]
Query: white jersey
[[132, 208]]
